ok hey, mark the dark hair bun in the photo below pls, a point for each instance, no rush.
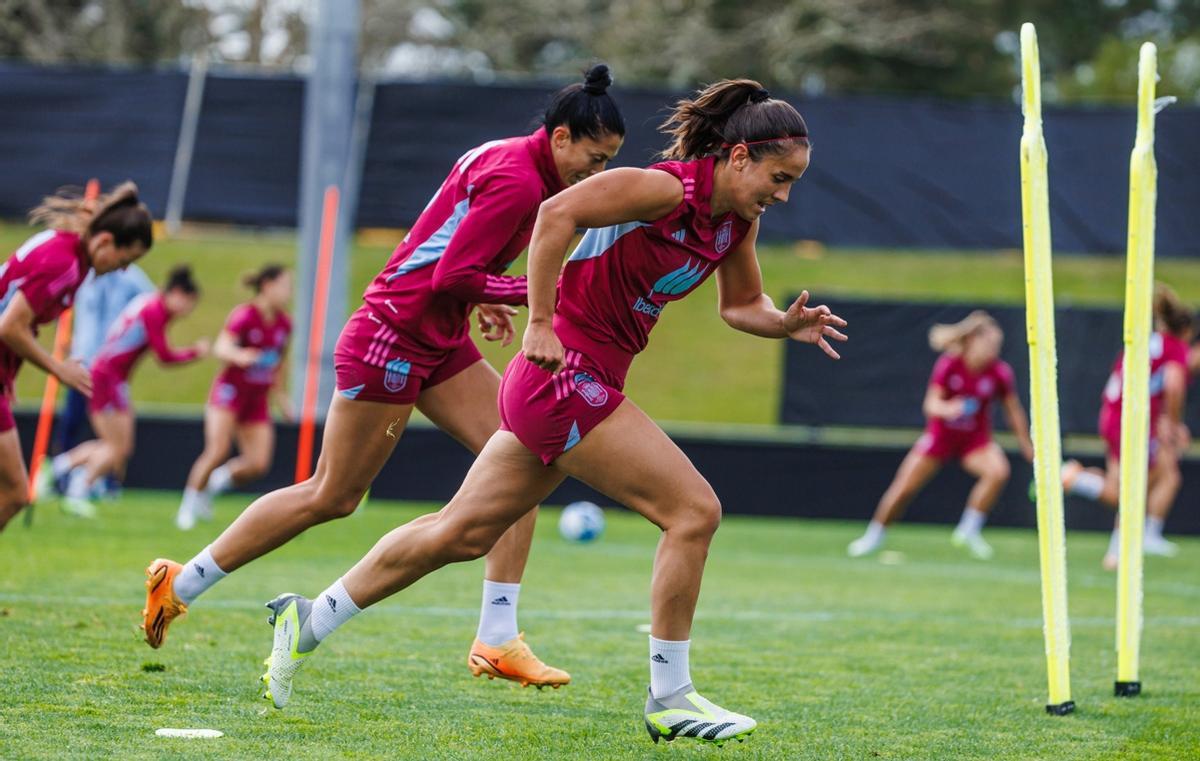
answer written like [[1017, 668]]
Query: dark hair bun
[[597, 80]]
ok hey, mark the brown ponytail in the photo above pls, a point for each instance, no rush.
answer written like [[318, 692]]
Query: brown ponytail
[[257, 279], [1171, 312], [729, 112], [119, 212]]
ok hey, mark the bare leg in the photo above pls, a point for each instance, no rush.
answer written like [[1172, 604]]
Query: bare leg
[[359, 437], [991, 469], [14, 482], [465, 407], [256, 449], [116, 432], [1165, 482], [504, 483], [915, 471], [219, 424]]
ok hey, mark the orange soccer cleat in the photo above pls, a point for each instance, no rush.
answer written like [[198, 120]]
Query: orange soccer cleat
[[516, 662], [162, 605]]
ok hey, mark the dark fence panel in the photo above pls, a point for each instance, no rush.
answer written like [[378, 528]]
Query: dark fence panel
[[887, 172], [750, 477], [884, 370]]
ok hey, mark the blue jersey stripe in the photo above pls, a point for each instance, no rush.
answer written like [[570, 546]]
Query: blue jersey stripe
[[435, 245]]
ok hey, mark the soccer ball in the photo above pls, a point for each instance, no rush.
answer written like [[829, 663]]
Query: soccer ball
[[581, 522]]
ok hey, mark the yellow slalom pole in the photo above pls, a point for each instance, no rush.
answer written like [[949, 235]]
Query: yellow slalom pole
[[1135, 391], [1043, 390]]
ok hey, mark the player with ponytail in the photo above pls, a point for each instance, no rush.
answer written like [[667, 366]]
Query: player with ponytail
[[39, 281], [653, 236]]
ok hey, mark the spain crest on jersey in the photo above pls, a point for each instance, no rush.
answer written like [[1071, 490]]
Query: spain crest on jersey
[[724, 236]]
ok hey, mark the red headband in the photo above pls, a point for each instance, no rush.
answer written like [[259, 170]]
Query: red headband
[[766, 140]]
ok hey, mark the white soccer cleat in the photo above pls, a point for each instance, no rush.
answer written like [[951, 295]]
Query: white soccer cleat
[[687, 713], [185, 519], [1156, 545], [975, 544], [863, 546], [292, 645], [46, 488], [80, 508]]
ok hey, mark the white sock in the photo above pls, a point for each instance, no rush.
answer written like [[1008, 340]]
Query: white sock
[[668, 666], [219, 480], [971, 522], [190, 498], [198, 574], [1154, 527], [875, 532], [498, 618], [78, 486], [1087, 485], [331, 609], [1114, 543], [61, 464]]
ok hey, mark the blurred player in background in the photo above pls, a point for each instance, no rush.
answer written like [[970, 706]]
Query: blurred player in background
[[957, 406], [1169, 436], [141, 326], [656, 234], [98, 303], [409, 346], [252, 346], [38, 282]]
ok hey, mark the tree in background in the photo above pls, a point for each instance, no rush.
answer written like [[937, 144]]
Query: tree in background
[[965, 48]]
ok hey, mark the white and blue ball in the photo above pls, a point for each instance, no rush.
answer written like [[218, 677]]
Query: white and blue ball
[[581, 522]]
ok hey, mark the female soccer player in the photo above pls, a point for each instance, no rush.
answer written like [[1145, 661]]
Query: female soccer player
[[142, 325], [1168, 434], [966, 378], [38, 282], [252, 346], [655, 235], [408, 345]]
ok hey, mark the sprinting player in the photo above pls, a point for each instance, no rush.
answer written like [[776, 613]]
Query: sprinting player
[[38, 282], [408, 345], [142, 326], [1168, 433], [97, 304], [252, 345], [965, 380], [655, 235]]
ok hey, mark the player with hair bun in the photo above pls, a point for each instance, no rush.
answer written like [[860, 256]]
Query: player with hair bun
[[141, 326], [653, 236], [252, 346], [408, 346], [39, 282], [967, 377]]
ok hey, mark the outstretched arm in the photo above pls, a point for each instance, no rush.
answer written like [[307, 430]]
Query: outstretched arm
[[745, 307], [16, 331], [1018, 421], [156, 336], [608, 198]]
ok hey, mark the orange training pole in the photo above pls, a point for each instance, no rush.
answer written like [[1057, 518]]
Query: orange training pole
[[62, 339], [316, 335]]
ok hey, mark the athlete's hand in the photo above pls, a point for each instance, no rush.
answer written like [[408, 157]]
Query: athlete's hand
[[75, 374], [813, 325], [495, 322], [542, 347], [202, 346], [247, 356]]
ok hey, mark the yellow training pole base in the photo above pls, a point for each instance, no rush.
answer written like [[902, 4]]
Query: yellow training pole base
[[1126, 689], [1061, 709]]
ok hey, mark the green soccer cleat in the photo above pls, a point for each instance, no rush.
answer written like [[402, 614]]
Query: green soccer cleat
[[686, 713], [293, 644]]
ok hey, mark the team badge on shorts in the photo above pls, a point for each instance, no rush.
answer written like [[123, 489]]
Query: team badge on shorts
[[724, 237], [592, 391], [395, 375]]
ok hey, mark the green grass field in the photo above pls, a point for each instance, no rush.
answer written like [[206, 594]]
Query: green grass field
[[742, 374], [930, 656]]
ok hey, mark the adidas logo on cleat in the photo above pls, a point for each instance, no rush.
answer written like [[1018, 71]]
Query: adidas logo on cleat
[[657, 658], [501, 601]]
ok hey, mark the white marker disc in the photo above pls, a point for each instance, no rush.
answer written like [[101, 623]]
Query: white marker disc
[[191, 734]]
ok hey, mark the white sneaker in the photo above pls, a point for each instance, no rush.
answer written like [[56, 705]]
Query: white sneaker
[[975, 544], [1156, 545], [46, 488], [80, 508], [203, 509], [185, 519], [863, 546]]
